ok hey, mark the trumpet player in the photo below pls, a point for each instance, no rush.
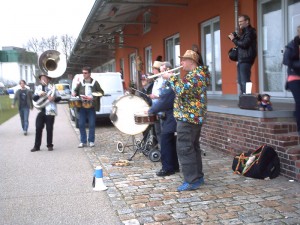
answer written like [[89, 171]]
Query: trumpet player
[[190, 107], [48, 97]]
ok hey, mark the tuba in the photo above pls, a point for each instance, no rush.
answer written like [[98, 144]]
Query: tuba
[[53, 64]]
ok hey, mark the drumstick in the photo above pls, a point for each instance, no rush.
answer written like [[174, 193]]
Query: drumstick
[[139, 91]]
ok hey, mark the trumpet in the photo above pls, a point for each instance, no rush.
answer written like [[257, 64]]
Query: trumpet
[[159, 74]]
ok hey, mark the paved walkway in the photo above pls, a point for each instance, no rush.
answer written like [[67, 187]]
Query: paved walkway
[[139, 195], [55, 187], [48, 187]]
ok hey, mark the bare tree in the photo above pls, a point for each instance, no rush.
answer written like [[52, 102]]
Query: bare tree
[[67, 44], [33, 45], [50, 43]]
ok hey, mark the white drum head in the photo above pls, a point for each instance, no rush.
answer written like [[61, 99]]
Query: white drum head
[[126, 107]]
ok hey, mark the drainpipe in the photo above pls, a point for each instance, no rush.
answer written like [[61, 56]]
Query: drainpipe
[[236, 14]]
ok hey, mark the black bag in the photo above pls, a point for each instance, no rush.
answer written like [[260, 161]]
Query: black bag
[[248, 101], [262, 163], [233, 54]]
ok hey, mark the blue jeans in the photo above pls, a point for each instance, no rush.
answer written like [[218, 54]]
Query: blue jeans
[[24, 114], [244, 74], [85, 114]]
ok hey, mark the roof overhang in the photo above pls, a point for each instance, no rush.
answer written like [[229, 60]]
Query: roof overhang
[[96, 43]]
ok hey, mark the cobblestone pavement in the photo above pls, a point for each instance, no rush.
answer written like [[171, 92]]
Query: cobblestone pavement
[[140, 197]]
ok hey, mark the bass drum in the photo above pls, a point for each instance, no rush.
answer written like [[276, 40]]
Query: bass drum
[[123, 111]]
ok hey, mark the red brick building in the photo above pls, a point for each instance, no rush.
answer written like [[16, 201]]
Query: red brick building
[[116, 33]]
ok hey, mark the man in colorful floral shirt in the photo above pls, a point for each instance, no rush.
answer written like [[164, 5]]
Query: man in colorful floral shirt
[[190, 107]]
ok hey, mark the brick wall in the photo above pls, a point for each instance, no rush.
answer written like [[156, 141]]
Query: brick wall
[[235, 134]]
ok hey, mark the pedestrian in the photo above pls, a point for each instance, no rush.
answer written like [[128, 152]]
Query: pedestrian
[[246, 44], [45, 98], [164, 106], [291, 58], [190, 108], [24, 98], [90, 92]]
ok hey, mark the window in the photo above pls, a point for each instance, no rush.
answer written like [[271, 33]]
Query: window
[[147, 22], [133, 71], [211, 52], [148, 59], [172, 48]]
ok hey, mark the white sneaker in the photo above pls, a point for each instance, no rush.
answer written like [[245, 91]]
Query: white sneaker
[[81, 145], [92, 144]]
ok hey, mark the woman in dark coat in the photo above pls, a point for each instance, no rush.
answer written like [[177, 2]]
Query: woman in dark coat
[[292, 61]]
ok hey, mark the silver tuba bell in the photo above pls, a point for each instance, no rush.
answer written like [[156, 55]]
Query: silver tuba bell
[[53, 64]]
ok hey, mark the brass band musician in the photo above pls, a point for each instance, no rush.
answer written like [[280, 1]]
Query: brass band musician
[[48, 97], [85, 90]]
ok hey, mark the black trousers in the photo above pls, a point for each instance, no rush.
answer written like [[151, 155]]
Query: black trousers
[[41, 120]]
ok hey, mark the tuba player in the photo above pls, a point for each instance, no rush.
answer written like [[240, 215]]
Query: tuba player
[[46, 97]]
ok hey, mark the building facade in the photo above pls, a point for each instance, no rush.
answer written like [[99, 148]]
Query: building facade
[[17, 64]]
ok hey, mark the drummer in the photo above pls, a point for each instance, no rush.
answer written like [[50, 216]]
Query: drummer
[[165, 104], [146, 90], [85, 90]]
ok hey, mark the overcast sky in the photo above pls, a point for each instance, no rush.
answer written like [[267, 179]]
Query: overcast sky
[[21, 20]]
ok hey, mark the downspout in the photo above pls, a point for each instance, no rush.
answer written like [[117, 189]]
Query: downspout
[[236, 14]]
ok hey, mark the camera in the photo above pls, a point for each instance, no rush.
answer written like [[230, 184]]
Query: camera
[[235, 34]]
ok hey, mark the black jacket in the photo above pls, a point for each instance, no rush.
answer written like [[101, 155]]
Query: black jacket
[[147, 91], [291, 57], [247, 45]]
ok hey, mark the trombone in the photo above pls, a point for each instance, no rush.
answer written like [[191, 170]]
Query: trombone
[[159, 74]]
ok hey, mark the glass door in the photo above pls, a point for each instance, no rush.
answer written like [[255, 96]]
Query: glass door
[[277, 26], [211, 52]]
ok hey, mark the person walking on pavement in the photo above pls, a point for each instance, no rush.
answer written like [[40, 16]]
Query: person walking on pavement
[[190, 108], [45, 92], [247, 50], [24, 98], [86, 89]]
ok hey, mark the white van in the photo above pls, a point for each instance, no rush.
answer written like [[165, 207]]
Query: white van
[[112, 85]]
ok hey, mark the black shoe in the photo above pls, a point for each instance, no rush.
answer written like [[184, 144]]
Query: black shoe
[[50, 148], [34, 149], [163, 173]]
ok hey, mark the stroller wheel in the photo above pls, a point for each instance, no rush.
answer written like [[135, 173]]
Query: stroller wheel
[[120, 147], [154, 155]]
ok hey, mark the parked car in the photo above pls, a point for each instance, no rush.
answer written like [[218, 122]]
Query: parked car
[[112, 85], [64, 91]]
